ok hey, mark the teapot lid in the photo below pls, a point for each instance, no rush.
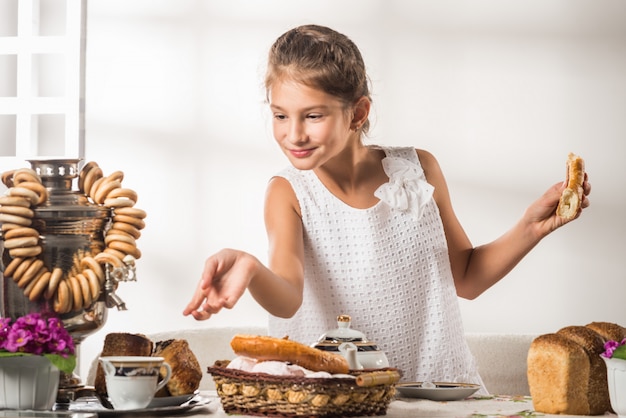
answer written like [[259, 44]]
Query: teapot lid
[[343, 332]]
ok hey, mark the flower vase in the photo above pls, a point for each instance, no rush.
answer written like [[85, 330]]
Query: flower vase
[[616, 375], [28, 382]]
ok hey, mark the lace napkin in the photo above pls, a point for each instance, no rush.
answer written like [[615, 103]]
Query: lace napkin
[[407, 189]]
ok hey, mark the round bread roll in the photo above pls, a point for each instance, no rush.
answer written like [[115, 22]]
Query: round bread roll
[[186, 371]]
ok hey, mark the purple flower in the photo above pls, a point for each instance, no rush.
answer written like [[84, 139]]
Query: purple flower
[[35, 334], [610, 346], [5, 325], [17, 339]]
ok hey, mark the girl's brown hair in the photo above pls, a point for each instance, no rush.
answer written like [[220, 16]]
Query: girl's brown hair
[[321, 58]]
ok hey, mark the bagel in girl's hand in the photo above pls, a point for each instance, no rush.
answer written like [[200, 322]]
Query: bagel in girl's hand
[[265, 348], [572, 196]]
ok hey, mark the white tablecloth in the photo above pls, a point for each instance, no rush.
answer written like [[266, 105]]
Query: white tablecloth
[[474, 407]]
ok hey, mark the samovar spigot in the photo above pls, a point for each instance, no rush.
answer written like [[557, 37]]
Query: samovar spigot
[[115, 275]]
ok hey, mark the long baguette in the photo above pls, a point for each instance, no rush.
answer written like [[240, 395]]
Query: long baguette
[[266, 348], [572, 196]]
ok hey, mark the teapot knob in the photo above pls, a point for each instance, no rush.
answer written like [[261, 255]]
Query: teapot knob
[[343, 321]]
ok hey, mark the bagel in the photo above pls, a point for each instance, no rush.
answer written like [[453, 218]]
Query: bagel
[[115, 253], [136, 222], [89, 263], [119, 232], [94, 283], [55, 278], [25, 251], [17, 211], [94, 187], [116, 176], [125, 228], [105, 257], [24, 192], [21, 269], [84, 289], [92, 175], [15, 219], [28, 288], [22, 175], [62, 302], [30, 273], [12, 266], [7, 226], [83, 172], [37, 188], [106, 187], [20, 242], [123, 193], [41, 284], [130, 211], [126, 248], [7, 178], [122, 237], [14, 201], [76, 293], [21, 232], [118, 202]]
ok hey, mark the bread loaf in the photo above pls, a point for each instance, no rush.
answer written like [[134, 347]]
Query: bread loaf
[[593, 344], [186, 371], [121, 344], [558, 375], [566, 374], [608, 330]]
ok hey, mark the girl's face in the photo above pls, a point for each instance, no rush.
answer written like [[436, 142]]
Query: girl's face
[[309, 125]]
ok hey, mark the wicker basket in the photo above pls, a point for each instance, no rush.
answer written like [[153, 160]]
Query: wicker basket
[[279, 396]]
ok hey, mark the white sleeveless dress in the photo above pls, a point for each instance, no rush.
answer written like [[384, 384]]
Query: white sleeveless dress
[[387, 267]]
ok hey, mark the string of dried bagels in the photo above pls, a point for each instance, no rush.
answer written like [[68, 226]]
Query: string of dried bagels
[[82, 285]]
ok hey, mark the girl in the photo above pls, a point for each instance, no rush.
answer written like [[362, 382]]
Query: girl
[[361, 230]]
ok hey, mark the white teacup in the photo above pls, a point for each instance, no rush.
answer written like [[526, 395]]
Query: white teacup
[[132, 381]]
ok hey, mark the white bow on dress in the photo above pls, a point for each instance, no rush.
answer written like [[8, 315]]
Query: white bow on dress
[[407, 189]]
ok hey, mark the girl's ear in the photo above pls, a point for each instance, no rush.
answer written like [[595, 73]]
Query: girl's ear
[[361, 112]]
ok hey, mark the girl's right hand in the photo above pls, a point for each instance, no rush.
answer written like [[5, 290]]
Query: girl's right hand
[[225, 278]]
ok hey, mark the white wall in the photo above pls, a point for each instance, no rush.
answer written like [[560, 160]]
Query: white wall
[[499, 91]]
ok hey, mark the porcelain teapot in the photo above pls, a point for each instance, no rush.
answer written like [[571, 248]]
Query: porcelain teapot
[[353, 345]]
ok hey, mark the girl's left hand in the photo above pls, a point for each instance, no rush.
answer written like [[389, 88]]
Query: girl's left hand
[[542, 212]]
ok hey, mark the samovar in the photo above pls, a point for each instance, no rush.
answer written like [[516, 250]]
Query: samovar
[[70, 227]]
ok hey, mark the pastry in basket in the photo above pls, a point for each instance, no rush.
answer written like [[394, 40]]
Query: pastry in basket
[[290, 379], [266, 348]]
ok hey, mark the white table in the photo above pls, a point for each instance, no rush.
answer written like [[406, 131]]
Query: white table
[[474, 407]]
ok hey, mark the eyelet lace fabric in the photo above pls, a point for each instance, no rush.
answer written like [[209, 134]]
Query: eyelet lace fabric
[[387, 267]]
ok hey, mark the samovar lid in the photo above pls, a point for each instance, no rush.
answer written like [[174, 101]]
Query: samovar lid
[[63, 203]]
